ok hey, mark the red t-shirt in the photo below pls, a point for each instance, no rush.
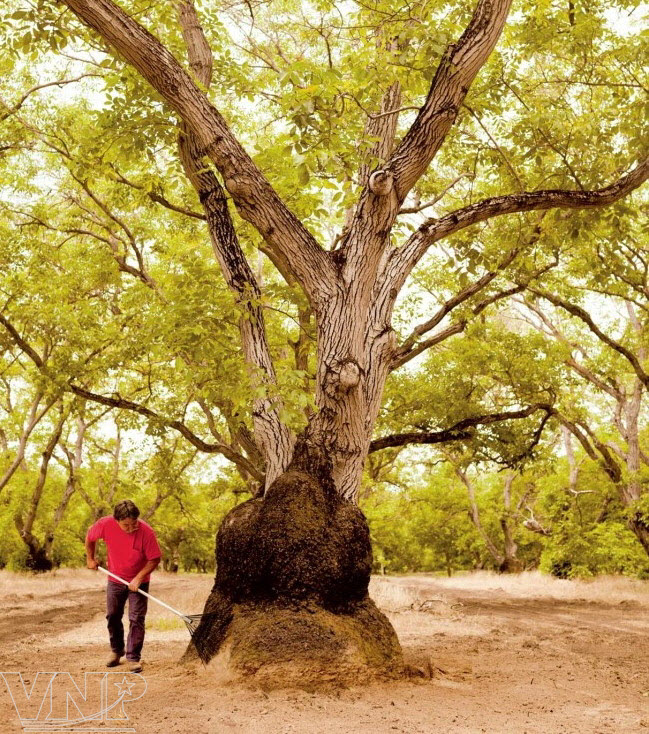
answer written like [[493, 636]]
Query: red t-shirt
[[127, 552]]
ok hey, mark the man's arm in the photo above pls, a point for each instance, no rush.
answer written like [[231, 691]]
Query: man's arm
[[91, 561], [137, 580]]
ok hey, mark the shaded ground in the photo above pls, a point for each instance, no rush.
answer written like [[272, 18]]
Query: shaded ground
[[494, 654]]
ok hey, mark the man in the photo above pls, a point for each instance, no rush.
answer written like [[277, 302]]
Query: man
[[133, 553]]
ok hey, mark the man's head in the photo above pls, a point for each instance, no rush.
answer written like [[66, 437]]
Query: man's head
[[126, 513]]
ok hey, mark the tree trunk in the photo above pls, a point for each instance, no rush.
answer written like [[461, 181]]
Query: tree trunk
[[37, 557], [474, 515], [353, 364], [290, 602], [510, 563], [75, 459], [640, 527], [632, 493]]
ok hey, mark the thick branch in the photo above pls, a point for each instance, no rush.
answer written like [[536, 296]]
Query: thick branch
[[580, 369], [458, 68], [215, 448], [585, 435], [436, 229], [382, 129], [608, 463], [274, 439], [460, 431], [388, 186], [594, 380]]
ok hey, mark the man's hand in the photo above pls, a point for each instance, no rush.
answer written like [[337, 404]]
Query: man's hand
[[92, 564], [135, 584]]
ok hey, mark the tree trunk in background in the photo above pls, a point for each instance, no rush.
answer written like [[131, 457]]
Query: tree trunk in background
[[638, 522], [37, 558], [510, 563], [75, 459], [474, 515]]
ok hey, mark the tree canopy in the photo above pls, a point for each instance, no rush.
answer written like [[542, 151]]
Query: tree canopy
[[415, 231]]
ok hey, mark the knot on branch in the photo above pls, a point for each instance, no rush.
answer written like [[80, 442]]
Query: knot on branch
[[342, 377], [381, 183], [238, 186]]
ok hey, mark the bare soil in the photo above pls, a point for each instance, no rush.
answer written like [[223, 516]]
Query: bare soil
[[521, 654]]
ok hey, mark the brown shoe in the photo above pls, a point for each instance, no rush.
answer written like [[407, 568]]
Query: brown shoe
[[135, 666], [113, 660]]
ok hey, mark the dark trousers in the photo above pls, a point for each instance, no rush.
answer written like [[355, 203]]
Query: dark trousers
[[116, 596]]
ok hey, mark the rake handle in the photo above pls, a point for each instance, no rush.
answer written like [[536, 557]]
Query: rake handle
[[144, 593]]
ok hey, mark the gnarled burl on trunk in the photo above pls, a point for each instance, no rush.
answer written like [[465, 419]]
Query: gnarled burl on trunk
[[290, 602]]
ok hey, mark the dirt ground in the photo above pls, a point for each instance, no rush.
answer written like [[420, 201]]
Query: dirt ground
[[521, 654]]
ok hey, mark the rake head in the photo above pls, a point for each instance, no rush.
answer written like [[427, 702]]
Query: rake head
[[193, 622]]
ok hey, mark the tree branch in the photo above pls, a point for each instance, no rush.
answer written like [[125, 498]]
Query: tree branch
[[458, 68], [434, 230], [60, 83], [273, 437], [157, 197], [456, 328], [439, 197], [580, 313], [453, 302], [460, 431], [116, 401], [35, 416]]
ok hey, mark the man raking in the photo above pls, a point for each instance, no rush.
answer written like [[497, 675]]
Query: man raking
[[133, 553]]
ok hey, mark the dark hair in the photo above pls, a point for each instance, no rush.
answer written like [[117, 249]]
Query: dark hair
[[125, 509]]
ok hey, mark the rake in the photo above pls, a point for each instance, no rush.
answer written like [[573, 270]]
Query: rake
[[192, 621]]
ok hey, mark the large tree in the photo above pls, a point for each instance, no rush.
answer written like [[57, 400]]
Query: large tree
[[362, 100]]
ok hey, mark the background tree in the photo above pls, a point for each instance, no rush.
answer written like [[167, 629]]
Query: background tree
[[603, 345]]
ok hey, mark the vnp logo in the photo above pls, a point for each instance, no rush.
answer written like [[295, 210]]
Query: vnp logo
[[59, 702]]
